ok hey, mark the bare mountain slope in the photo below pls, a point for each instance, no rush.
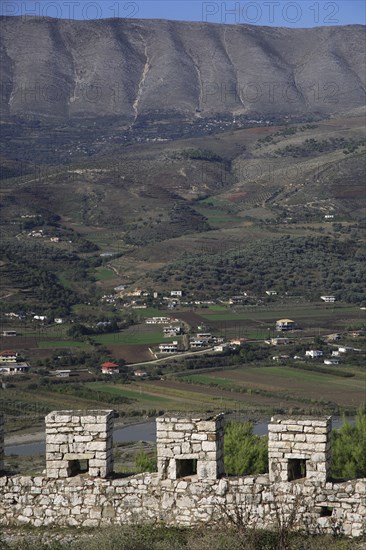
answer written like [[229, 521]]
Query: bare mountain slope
[[127, 68]]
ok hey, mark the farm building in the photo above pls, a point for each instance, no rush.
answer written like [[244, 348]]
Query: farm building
[[285, 324], [62, 373]]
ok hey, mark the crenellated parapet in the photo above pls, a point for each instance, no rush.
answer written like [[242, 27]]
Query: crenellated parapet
[[79, 488]]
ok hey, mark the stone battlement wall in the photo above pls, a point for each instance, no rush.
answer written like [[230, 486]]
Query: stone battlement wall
[[190, 487]]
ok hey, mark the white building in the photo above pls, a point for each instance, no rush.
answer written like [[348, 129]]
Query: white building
[[169, 347], [157, 320], [285, 324], [328, 299], [313, 353], [172, 331], [14, 368], [9, 357], [197, 344], [278, 341]]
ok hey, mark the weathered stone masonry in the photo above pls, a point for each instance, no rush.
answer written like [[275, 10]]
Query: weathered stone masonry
[[73, 436], [190, 487]]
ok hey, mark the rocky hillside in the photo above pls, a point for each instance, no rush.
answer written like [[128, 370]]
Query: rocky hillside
[[135, 69]]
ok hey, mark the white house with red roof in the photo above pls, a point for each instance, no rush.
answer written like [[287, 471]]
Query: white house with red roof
[[109, 368]]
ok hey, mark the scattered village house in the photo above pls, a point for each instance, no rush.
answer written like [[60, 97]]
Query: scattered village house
[[158, 320], [14, 368], [331, 361], [204, 336], [328, 299], [285, 324], [140, 373], [63, 373], [313, 353], [172, 331], [169, 347], [237, 300], [11, 363], [109, 368], [197, 343], [238, 341], [9, 356], [221, 347], [334, 337], [278, 341], [40, 317]]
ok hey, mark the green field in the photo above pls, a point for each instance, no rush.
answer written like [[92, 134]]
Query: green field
[[104, 274], [217, 217], [131, 394], [62, 277], [46, 344], [293, 311]]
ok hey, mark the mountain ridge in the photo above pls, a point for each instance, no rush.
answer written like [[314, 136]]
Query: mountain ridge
[[137, 67]]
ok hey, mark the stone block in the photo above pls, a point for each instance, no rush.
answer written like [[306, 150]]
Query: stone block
[[78, 456], [184, 427], [316, 438], [276, 428], [209, 446]]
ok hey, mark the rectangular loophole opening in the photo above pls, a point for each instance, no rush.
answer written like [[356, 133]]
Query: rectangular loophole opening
[[77, 467], [186, 467], [326, 511], [296, 468]]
